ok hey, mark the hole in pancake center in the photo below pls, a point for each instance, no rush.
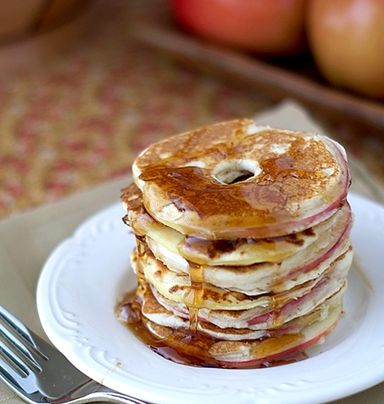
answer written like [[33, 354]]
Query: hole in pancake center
[[235, 171], [243, 175]]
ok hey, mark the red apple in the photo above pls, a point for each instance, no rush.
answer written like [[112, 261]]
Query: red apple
[[347, 40], [270, 27]]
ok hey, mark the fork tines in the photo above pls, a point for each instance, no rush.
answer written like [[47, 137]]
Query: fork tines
[[18, 350]]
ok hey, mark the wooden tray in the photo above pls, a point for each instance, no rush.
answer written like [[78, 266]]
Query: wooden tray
[[295, 77]]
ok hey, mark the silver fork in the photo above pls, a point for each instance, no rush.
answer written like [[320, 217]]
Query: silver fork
[[39, 373]]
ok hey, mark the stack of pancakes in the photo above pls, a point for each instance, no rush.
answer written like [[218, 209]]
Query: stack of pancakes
[[242, 241]]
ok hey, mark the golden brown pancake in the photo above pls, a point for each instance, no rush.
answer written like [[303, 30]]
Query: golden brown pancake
[[266, 277], [239, 354], [152, 310], [222, 252], [234, 180], [178, 288]]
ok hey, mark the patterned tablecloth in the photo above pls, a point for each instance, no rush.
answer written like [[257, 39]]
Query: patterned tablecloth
[[80, 116]]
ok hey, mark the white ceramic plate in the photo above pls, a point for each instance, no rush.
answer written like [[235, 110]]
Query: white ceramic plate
[[88, 273]]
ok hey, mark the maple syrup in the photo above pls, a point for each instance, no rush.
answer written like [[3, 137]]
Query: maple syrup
[[189, 347], [270, 345], [128, 311], [196, 274], [264, 200]]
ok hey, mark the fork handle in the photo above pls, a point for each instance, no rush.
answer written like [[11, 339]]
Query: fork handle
[[108, 395], [93, 391]]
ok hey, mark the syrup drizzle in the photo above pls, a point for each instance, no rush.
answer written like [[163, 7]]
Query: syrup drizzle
[[292, 177], [128, 311], [191, 348], [270, 345], [196, 274]]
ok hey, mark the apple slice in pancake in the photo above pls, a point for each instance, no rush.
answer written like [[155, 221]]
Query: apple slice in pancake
[[266, 277], [296, 180], [283, 308], [152, 310], [180, 248], [240, 354]]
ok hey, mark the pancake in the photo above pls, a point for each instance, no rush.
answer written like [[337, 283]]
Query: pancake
[[264, 278], [240, 354], [220, 252], [269, 277], [177, 288], [248, 353], [235, 180], [152, 310], [261, 318]]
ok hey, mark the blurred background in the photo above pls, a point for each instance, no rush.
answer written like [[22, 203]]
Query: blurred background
[[85, 85]]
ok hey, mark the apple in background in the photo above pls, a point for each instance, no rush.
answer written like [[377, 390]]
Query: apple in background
[[274, 27], [347, 40]]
